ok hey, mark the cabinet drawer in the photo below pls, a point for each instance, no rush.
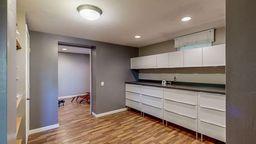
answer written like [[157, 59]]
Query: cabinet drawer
[[181, 109], [133, 96], [133, 104], [152, 101], [213, 101], [132, 88], [183, 121], [154, 111], [152, 91], [212, 116], [182, 96], [213, 131]]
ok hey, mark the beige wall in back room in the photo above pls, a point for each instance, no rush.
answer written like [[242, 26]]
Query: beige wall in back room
[[168, 46]]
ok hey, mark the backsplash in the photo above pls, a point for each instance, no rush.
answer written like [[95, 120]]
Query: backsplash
[[218, 78]]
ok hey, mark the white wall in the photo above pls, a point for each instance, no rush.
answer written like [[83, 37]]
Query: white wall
[[73, 74]]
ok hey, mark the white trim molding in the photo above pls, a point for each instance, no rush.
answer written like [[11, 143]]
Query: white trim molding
[[70, 96], [108, 113], [43, 129]]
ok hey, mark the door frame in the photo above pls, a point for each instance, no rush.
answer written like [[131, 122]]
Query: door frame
[[27, 99], [91, 74]]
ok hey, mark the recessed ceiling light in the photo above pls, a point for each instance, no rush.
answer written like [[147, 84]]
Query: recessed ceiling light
[[185, 19], [89, 12], [137, 36], [64, 49]]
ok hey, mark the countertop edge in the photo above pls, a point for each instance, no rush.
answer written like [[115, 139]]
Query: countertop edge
[[181, 88]]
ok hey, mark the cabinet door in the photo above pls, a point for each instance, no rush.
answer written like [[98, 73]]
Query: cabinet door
[[193, 57], [148, 62], [162, 60], [176, 59], [214, 56], [136, 63]]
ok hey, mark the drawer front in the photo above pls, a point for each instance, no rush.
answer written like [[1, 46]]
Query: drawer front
[[213, 131], [152, 101], [157, 112], [181, 109], [132, 88], [133, 104], [212, 116], [188, 97], [133, 96], [213, 101], [183, 121], [152, 91]]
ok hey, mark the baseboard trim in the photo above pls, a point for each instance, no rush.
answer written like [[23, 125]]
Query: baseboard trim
[[70, 96], [108, 113], [43, 129]]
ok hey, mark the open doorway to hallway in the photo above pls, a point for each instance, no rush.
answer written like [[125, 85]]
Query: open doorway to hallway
[[74, 76]]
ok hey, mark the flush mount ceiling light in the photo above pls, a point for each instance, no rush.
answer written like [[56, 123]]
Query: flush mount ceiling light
[[89, 12], [64, 49], [185, 19], [137, 36]]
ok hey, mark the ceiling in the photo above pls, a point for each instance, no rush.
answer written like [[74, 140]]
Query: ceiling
[[154, 20]]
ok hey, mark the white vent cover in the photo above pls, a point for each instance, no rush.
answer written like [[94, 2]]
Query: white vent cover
[[195, 39]]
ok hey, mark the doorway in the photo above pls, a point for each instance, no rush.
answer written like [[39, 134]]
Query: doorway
[[74, 75]]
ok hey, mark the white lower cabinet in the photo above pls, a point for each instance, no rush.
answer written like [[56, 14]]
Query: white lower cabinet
[[133, 104], [133, 96], [184, 121], [151, 110], [152, 101], [212, 130], [198, 111], [212, 115], [180, 107]]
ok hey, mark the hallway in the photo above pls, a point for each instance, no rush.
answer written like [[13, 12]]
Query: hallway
[[77, 126]]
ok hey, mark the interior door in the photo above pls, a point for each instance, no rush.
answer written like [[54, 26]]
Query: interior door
[[27, 82]]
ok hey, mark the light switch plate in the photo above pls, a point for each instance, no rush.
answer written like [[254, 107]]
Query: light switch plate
[[102, 83]]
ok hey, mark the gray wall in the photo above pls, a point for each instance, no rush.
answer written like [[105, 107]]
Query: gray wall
[[168, 46], [110, 63], [241, 72], [3, 71], [43, 80], [73, 74], [7, 72]]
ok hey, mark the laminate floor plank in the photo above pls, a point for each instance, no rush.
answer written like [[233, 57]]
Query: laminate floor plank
[[77, 126]]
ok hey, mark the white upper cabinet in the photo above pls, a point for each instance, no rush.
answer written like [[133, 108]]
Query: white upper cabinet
[[214, 56], [176, 59], [148, 62], [145, 62], [136, 63], [193, 57], [197, 57], [162, 60]]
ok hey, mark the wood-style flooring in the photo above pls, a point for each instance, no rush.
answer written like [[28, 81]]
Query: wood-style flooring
[[77, 126]]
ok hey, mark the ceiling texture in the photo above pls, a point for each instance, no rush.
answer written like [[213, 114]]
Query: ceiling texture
[[154, 20]]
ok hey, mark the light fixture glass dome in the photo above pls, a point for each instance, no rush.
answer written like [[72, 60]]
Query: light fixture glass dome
[[89, 12]]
